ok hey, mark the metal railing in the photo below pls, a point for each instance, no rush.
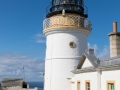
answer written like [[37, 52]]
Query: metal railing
[[67, 21]]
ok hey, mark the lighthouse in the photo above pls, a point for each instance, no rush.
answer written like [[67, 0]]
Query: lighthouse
[[66, 28]]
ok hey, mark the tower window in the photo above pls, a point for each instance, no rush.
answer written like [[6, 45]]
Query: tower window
[[72, 44], [87, 86], [110, 85], [78, 85]]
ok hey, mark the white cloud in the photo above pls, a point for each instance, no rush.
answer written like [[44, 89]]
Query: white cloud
[[105, 53], [11, 66], [100, 53], [39, 38]]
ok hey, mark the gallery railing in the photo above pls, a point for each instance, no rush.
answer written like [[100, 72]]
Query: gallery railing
[[66, 21]]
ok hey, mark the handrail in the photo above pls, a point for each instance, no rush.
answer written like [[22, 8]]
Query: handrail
[[68, 21]]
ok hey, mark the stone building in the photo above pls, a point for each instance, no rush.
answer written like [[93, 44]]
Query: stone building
[[15, 84]]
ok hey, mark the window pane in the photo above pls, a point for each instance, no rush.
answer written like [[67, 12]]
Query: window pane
[[88, 86], [78, 85], [111, 86]]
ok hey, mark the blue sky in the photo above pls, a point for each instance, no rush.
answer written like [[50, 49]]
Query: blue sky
[[22, 41]]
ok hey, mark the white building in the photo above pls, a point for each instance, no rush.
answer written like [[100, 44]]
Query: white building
[[68, 64]]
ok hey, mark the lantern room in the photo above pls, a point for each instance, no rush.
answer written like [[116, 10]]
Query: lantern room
[[70, 6]]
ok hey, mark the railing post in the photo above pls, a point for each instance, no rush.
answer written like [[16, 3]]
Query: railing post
[[58, 21], [68, 20], [49, 25], [43, 24], [78, 21]]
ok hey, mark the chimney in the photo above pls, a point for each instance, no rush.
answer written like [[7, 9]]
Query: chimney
[[90, 51], [115, 27], [114, 41]]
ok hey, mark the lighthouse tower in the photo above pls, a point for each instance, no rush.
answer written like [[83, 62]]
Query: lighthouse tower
[[66, 29]]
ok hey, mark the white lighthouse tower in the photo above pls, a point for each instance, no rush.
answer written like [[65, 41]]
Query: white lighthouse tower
[[66, 29]]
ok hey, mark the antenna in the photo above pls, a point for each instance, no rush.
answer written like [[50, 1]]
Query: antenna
[[23, 68], [24, 72]]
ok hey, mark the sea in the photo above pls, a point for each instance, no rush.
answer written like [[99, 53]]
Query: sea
[[36, 84]]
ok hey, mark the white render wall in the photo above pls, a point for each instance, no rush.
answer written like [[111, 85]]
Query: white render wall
[[13, 88], [58, 45], [56, 75], [82, 77], [19, 88], [60, 58], [30, 88], [87, 63], [98, 79], [113, 75]]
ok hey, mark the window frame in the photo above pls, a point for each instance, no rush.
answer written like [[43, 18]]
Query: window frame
[[86, 82], [74, 44], [110, 82], [78, 85]]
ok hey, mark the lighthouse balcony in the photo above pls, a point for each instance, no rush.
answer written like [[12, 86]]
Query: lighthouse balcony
[[67, 21]]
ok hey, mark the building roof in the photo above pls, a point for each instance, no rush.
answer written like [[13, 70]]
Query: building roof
[[91, 57], [8, 82], [96, 63], [110, 61]]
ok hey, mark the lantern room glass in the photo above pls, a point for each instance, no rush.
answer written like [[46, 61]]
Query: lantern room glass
[[70, 5]]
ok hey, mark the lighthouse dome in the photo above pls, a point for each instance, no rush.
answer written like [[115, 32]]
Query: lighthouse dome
[[70, 6]]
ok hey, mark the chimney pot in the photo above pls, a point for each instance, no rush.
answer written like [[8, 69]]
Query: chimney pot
[[115, 27]]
